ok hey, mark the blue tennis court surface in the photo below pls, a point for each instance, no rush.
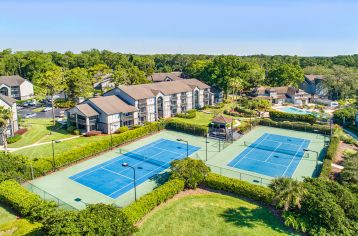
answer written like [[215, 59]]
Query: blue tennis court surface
[[273, 155], [112, 179]]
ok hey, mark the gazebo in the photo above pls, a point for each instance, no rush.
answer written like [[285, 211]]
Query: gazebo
[[222, 127]]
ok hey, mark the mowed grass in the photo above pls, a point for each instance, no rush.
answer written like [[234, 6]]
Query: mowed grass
[[211, 214], [6, 214], [45, 150], [40, 130]]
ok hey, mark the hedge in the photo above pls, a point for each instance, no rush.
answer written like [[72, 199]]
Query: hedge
[[243, 188], [23, 201], [187, 115], [186, 127], [300, 126], [14, 138], [44, 165], [138, 209], [279, 115], [330, 154]]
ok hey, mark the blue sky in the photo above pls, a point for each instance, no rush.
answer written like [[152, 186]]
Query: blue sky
[[294, 27]]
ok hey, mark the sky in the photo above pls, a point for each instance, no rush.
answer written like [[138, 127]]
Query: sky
[[289, 27]]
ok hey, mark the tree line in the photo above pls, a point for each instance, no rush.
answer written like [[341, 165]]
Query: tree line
[[78, 72]]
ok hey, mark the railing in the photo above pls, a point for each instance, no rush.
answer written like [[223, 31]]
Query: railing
[[48, 196], [239, 175]]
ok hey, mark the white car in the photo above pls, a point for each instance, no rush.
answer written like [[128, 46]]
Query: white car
[[47, 109], [30, 115]]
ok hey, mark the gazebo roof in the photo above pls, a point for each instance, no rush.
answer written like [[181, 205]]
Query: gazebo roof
[[222, 120]]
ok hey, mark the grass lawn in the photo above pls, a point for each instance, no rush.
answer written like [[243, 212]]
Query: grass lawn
[[6, 214], [39, 130], [46, 149], [211, 214]]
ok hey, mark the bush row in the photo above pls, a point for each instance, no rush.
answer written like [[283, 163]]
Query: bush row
[[23, 201], [138, 209], [243, 188], [44, 165], [300, 126], [245, 111], [187, 115], [279, 115], [216, 106], [330, 154], [13, 139], [186, 127]]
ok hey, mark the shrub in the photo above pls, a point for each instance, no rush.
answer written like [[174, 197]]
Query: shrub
[[187, 128], [92, 133], [96, 219], [21, 131], [300, 126], [243, 188], [22, 201], [13, 139], [122, 129], [192, 171], [245, 111], [14, 166], [76, 132], [44, 165], [216, 106], [138, 209], [187, 115], [345, 116], [328, 208], [348, 176], [279, 115], [70, 129], [63, 103]]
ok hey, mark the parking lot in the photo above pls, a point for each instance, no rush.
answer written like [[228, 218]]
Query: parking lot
[[22, 111]]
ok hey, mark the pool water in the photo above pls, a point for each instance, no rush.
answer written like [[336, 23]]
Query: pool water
[[294, 110]]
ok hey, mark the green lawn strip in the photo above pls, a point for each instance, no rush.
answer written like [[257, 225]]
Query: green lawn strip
[[6, 214], [211, 214], [39, 130], [46, 149], [20, 227]]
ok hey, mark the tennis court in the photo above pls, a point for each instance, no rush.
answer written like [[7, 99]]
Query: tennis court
[[272, 155], [112, 179]]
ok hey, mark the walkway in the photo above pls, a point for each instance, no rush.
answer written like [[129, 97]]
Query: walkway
[[35, 144]]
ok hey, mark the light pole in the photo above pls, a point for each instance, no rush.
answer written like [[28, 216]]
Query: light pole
[[206, 148], [135, 185], [53, 153], [309, 150], [187, 145]]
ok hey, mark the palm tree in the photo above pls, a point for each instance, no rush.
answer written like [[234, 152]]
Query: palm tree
[[287, 192], [5, 119], [236, 85]]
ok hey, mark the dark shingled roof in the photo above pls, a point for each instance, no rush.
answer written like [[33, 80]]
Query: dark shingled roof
[[12, 80]]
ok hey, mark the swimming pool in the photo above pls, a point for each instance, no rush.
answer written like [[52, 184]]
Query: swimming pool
[[294, 110]]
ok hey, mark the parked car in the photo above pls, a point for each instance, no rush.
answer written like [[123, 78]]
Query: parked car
[[30, 115], [47, 109]]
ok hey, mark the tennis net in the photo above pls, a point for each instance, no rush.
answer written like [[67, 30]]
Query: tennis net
[[143, 158], [292, 151]]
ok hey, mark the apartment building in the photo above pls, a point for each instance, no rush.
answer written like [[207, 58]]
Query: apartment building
[[136, 104], [164, 99], [279, 95], [105, 114], [10, 104], [16, 87]]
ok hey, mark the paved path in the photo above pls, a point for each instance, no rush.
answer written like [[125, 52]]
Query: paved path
[[36, 144]]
